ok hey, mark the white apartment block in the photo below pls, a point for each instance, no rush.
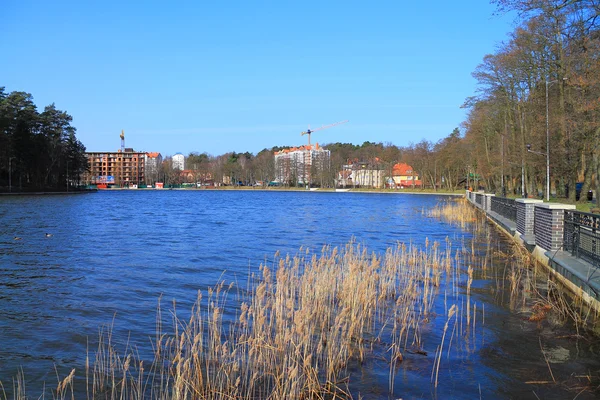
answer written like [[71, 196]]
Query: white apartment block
[[295, 165], [179, 161]]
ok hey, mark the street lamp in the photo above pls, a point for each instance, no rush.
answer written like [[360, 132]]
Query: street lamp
[[547, 168], [548, 83]]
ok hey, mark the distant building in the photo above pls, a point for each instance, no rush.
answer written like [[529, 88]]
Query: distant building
[[152, 162], [403, 175], [188, 176], [115, 168], [362, 174], [296, 166], [179, 161]]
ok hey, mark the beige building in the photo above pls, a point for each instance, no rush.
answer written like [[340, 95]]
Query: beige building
[[362, 174]]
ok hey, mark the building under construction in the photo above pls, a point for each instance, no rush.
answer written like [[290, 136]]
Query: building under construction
[[122, 168]]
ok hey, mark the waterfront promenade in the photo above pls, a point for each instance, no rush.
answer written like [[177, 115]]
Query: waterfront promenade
[[565, 241]]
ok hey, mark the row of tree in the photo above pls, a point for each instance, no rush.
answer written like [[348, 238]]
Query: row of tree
[[539, 94], [38, 151]]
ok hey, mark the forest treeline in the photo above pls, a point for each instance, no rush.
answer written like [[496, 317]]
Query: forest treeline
[[539, 93], [38, 150], [441, 162]]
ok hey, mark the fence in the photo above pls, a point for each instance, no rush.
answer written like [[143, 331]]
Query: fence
[[582, 236], [507, 208]]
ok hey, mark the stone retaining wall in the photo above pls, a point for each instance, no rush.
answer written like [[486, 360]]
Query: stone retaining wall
[[540, 227]]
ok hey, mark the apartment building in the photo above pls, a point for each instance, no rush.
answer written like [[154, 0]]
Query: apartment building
[[298, 164]]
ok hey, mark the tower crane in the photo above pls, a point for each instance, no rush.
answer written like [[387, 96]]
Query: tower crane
[[309, 131], [122, 159]]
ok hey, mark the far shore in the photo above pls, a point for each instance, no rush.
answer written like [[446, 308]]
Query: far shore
[[248, 188], [48, 193], [313, 190]]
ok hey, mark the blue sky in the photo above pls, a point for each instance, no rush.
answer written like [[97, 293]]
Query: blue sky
[[246, 75]]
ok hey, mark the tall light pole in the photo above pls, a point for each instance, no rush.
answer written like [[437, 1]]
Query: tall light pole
[[547, 145], [548, 83]]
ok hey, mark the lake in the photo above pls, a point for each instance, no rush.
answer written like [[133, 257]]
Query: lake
[[109, 256]]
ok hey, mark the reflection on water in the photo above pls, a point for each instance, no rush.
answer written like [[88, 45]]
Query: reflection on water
[[112, 254]]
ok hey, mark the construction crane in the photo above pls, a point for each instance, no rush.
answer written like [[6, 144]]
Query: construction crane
[[122, 159], [309, 131]]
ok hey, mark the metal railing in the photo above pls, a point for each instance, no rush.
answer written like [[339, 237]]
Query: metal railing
[[478, 198], [505, 207], [582, 236]]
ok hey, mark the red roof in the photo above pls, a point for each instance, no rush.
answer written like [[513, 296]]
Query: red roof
[[402, 169]]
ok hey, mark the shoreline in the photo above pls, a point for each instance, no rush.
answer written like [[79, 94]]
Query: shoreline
[[48, 193], [250, 189], [294, 190]]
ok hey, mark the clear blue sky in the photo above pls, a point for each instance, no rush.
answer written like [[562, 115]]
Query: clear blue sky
[[246, 75]]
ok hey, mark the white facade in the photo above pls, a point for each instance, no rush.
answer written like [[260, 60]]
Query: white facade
[[368, 178], [361, 175], [295, 165], [179, 161]]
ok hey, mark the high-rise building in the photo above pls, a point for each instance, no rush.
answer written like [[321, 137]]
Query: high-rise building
[[298, 165]]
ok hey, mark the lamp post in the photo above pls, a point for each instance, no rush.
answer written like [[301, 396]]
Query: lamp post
[[547, 145], [548, 83], [547, 168]]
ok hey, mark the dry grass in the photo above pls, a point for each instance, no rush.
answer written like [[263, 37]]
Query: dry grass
[[459, 212]]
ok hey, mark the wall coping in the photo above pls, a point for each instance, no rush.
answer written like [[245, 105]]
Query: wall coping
[[528, 201], [557, 206], [490, 194]]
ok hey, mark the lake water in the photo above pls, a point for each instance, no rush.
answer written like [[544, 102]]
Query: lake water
[[112, 254]]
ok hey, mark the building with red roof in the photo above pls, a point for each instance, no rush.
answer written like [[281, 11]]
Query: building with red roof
[[403, 175]]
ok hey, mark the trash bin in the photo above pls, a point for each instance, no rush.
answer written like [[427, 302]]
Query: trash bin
[[590, 195]]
